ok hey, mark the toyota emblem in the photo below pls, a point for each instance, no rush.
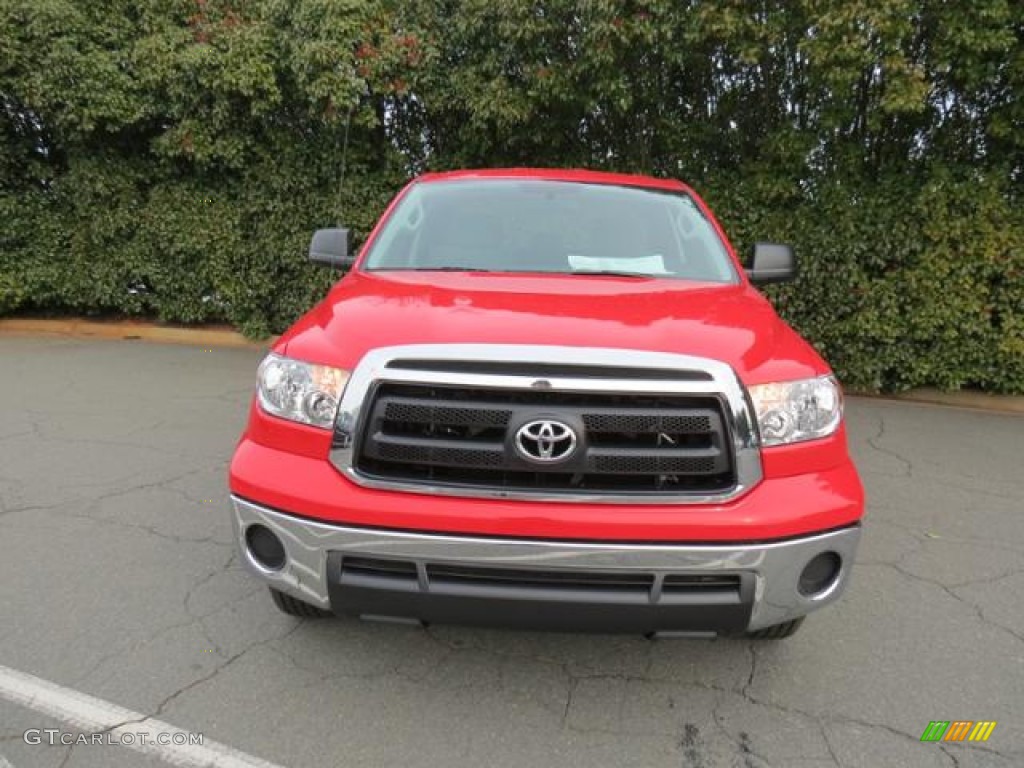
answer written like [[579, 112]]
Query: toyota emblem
[[546, 441]]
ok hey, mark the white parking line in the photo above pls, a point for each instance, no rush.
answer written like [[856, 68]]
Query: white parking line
[[91, 715], [4, 763]]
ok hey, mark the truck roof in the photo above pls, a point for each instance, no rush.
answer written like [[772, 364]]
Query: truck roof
[[557, 174]]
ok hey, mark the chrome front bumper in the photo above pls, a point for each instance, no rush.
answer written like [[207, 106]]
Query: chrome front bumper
[[774, 567]]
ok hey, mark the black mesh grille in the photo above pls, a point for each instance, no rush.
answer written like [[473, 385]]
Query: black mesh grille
[[621, 422], [529, 578], [629, 443], [534, 578], [435, 414], [405, 452], [624, 464]]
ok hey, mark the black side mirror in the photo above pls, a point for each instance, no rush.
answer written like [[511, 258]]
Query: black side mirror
[[771, 263], [330, 247]]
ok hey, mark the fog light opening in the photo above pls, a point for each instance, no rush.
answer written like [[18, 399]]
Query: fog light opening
[[820, 574], [265, 547]]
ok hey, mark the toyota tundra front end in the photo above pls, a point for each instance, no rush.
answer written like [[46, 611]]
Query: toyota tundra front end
[[549, 399]]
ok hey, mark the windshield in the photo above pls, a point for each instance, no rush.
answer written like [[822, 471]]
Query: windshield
[[505, 225]]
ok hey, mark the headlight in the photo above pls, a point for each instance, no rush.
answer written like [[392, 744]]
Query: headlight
[[300, 391], [792, 411]]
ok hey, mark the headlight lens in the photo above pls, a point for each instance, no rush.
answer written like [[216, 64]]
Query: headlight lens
[[793, 411], [300, 391]]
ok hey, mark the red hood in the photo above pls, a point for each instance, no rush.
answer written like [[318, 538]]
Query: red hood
[[732, 323]]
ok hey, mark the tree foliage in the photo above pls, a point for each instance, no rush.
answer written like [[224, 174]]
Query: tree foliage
[[170, 158]]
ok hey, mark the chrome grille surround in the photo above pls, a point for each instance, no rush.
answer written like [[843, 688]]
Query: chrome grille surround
[[715, 379]]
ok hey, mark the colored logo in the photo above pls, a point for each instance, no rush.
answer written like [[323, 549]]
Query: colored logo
[[545, 441], [958, 730]]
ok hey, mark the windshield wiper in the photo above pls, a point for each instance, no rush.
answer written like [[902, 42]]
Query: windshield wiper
[[610, 273], [450, 269]]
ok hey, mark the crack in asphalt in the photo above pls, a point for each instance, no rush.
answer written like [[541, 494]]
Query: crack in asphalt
[[570, 691], [393, 669], [836, 719], [921, 543], [740, 741], [38, 431], [573, 679], [38, 434], [150, 485], [744, 692], [193, 619], [67, 756], [200, 618], [32, 508], [828, 743], [151, 530], [978, 610], [934, 480], [13, 435], [873, 441], [93, 504], [753, 670], [954, 539], [162, 707], [988, 579], [202, 680]]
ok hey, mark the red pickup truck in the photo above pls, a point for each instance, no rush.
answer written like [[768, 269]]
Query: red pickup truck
[[549, 399]]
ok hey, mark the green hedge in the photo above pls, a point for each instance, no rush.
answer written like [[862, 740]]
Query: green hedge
[[170, 159]]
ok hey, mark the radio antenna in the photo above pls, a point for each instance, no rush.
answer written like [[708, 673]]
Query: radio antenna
[[344, 163]]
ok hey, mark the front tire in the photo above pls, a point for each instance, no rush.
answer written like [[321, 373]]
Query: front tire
[[295, 607], [777, 631]]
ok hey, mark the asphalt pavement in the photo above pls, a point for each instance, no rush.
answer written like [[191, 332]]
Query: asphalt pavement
[[120, 592]]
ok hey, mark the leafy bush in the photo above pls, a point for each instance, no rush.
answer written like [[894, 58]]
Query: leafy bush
[[170, 159]]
